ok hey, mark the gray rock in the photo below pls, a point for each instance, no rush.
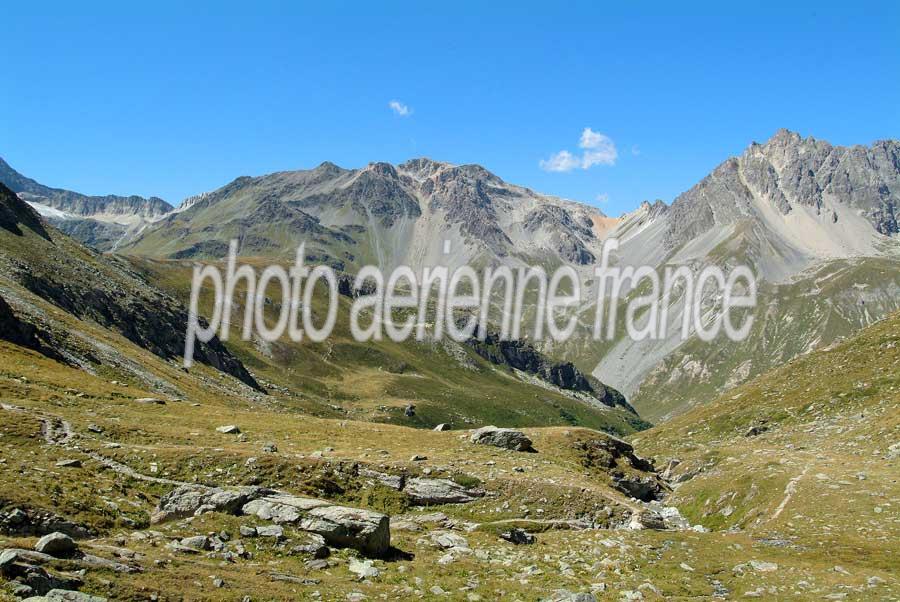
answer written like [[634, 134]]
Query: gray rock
[[72, 463], [56, 544], [446, 540], [197, 542], [281, 507], [505, 438], [270, 448], [314, 546], [150, 400], [363, 569], [59, 595], [518, 537], [317, 565], [442, 427], [563, 595], [388, 480], [229, 429], [270, 531], [364, 530], [247, 531], [427, 492], [191, 500]]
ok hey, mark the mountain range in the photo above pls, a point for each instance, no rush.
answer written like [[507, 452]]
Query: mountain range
[[817, 223], [347, 470]]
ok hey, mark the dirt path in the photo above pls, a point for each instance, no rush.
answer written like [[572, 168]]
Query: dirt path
[[57, 431], [789, 491]]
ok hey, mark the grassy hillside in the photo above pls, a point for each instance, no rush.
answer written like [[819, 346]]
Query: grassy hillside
[[805, 457], [447, 382]]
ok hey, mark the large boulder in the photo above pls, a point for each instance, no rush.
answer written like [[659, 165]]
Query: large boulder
[[364, 530], [282, 507], [427, 492], [505, 438], [56, 544], [191, 500]]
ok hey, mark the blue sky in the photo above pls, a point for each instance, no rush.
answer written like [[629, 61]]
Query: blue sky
[[170, 101]]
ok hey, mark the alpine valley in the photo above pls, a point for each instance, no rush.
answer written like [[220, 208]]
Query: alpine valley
[[585, 469]]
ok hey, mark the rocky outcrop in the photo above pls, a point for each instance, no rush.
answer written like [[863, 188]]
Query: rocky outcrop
[[520, 355], [632, 475], [193, 500], [363, 530], [505, 438], [21, 333], [788, 172], [29, 522], [427, 492]]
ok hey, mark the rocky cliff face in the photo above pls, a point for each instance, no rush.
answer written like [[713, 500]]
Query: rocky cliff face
[[522, 356], [788, 173]]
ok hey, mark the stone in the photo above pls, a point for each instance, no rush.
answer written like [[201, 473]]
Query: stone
[[646, 488], [563, 595], [646, 519], [317, 564], [446, 540], [247, 531], [314, 546], [270, 448], [504, 438], [229, 429], [150, 400], [363, 569], [763, 567], [409, 411], [442, 427], [56, 544], [270, 531], [438, 491], [281, 507], [518, 537], [197, 542], [364, 530], [73, 463], [192, 500], [60, 595], [388, 480], [418, 458]]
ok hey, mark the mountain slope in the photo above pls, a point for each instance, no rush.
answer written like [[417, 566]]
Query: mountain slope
[[100, 221], [40, 266], [805, 456], [382, 214], [816, 225], [56, 288]]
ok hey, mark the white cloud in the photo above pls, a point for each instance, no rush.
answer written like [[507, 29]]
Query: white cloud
[[635, 150], [602, 198], [599, 149], [561, 161], [399, 108]]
